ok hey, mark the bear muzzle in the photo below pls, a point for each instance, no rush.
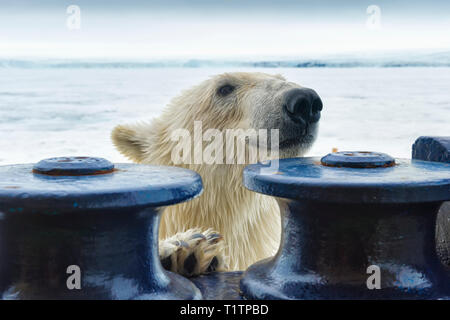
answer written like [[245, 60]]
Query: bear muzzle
[[303, 106]]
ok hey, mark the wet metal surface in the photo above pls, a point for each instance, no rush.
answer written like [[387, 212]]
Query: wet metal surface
[[219, 285], [306, 179], [357, 159], [107, 225], [432, 149], [337, 222], [73, 166], [437, 149], [128, 185]]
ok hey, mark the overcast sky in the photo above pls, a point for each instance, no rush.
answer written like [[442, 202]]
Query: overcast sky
[[219, 28]]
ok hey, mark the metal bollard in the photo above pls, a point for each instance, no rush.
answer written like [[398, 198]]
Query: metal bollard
[[437, 149], [82, 228], [356, 225], [432, 149]]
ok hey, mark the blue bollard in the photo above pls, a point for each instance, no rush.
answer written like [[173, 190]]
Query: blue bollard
[[432, 149], [352, 219], [437, 149], [82, 228]]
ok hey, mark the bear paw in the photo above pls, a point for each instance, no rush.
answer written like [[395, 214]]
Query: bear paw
[[193, 252]]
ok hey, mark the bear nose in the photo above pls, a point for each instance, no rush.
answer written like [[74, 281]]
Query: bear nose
[[303, 105]]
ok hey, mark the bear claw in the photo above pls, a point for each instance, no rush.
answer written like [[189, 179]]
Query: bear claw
[[198, 235]]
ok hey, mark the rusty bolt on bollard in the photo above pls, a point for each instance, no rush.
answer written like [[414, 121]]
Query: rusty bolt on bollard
[[87, 215], [344, 214]]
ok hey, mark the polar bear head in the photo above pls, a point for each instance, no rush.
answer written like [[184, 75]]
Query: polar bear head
[[237, 100], [248, 221]]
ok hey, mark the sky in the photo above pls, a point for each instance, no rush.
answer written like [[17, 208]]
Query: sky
[[219, 28]]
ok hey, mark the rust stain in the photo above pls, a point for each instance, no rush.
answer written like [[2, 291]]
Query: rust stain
[[59, 173], [367, 166]]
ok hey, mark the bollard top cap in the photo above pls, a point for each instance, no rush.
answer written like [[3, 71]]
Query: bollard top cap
[[73, 166], [358, 159], [64, 184], [356, 178]]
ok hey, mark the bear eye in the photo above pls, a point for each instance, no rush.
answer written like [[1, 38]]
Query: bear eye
[[225, 90]]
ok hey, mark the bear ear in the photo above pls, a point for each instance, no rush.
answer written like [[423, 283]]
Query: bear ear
[[132, 140]]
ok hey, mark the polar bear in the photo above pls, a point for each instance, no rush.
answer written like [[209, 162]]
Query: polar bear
[[228, 227]]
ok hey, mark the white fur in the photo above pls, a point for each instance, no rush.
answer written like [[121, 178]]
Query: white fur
[[249, 222]]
